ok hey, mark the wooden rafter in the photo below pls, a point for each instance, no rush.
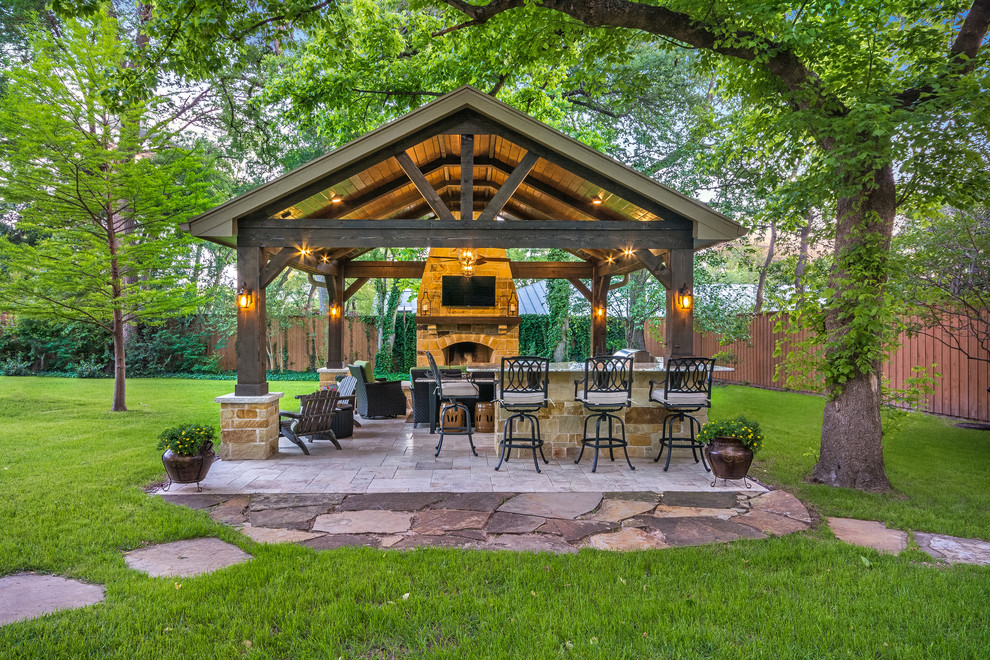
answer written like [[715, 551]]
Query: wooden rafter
[[508, 188], [425, 189]]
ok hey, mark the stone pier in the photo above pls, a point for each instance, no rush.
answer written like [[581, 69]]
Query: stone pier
[[248, 426]]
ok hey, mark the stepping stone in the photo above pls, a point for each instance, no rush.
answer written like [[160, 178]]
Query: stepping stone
[[664, 511], [720, 500], [267, 501], [782, 503], [681, 532], [616, 510], [436, 541], [772, 523], [29, 595], [443, 520], [334, 541], [363, 522], [503, 522], [575, 530], [868, 534], [390, 501], [233, 511], [195, 500], [531, 543], [293, 518], [553, 505], [472, 501], [639, 496], [953, 549], [625, 540], [277, 535], [185, 558]]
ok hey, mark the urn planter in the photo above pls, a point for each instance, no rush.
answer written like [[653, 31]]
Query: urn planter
[[182, 469], [728, 457]]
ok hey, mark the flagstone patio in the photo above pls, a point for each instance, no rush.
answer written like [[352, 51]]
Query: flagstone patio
[[390, 456]]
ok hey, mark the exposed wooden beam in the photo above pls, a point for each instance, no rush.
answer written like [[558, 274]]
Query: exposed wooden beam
[[276, 264], [656, 267], [353, 288], [549, 270], [425, 189], [467, 177], [582, 289], [405, 232], [515, 179], [398, 269]]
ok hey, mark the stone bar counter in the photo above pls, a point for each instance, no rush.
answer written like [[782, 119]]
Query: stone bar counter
[[562, 422]]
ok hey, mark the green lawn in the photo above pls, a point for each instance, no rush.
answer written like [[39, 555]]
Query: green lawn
[[71, 476]]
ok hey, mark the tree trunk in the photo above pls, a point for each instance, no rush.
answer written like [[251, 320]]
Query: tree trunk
[[851, 449], [761, 285], [802, 262], [119, 363]]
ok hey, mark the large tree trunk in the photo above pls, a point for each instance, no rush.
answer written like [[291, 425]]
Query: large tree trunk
[[761, 285], [802, 261], [851, 449], [119, 363]]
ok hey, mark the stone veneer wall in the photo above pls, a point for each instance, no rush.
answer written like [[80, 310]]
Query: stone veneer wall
[[248, 426], [501, 338], [562, 422]]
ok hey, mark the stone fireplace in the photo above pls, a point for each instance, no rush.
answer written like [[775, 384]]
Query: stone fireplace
[[469, 335]]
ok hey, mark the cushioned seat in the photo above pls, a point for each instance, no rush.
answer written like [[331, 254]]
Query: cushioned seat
[[522, 398], [673, 399], [459, 388], [603, 398]]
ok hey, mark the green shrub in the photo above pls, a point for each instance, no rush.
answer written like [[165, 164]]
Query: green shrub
[[186, 440], [747, 432]]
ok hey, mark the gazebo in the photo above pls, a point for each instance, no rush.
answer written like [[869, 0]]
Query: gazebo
[[463, 172]]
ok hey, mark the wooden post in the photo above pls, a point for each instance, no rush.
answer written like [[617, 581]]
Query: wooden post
[[679, 330], [252, 331], [467, 177], [335, 321], [599, 313]]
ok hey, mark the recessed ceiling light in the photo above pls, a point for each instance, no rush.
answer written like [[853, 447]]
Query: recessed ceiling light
[[336, 199], [596, 200]]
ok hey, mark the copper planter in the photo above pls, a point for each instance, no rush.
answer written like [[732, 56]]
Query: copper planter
[[189, 469], [729, 457]]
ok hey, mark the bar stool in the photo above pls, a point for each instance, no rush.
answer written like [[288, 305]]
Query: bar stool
[[687, 389], [524, 385], [453, 392], [607, 389]]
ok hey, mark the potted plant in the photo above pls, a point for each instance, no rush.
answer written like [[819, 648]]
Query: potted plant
[[188, 453], [730, 445]]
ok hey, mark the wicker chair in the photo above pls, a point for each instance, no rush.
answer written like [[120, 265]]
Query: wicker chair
[[379, 398]]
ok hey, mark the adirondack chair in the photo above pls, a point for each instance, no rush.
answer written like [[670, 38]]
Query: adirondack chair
[[313, 420]]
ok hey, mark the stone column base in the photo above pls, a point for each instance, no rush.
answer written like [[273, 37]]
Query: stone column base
[[248, 426], [330, 375]]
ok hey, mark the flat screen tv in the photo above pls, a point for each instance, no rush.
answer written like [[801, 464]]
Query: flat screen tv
[[468, 291]]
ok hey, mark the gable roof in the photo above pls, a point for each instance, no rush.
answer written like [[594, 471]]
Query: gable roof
[[366, 177]]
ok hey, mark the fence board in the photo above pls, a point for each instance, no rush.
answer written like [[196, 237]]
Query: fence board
[[960, 392]]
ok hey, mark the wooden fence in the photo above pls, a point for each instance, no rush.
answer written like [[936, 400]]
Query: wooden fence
[[960, 392], [300, 344]]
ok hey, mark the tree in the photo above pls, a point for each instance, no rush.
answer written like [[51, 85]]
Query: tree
[[104, 189]]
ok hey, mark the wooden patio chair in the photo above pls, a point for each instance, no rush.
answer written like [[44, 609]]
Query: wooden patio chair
[[313, 421]]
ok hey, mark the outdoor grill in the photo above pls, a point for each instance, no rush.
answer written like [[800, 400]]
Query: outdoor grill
[[638, 355]]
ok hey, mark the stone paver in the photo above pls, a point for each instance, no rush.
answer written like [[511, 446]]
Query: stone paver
[[185, 558], [696, 531], [772, 523], [575, 530], [868, 534], [195, 500], [553, 505], [291, 518], [703, 500], [232, 511], [503, 522], [782, 503], [270, 501], [472, 501], [665, 511], [334, 541], [614, 510], [277, 534], [364, 522], [953, 549], [390, 501], [440, 521], [626, 539], [532, 543], [29, 595]]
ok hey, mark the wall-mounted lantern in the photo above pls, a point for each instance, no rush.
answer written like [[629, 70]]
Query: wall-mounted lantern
[[513, 304], [599, 312], [334, 310], [245, 299], [684, 298], [424, 302]]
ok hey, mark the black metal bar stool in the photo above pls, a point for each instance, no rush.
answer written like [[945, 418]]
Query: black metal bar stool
[[453, 391], [607, 389], [687, 389], [524, 386]]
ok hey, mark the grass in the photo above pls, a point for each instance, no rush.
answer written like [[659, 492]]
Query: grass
[[71, 502]]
